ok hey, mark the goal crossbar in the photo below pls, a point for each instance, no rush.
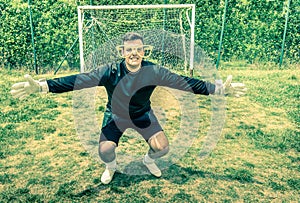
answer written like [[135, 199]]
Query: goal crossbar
[[138, 6]]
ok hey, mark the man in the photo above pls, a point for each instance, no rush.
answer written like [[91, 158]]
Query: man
[[129, 85]]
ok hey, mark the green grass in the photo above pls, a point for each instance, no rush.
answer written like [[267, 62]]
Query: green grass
[[256, 159]]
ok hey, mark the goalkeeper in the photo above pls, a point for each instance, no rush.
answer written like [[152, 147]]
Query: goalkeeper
[[129, 85]]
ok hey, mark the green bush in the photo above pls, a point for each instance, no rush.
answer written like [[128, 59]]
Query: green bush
[[253, 31]]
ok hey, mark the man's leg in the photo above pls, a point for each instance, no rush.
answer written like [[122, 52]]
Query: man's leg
[[107, 151], [159, 146], [108, 156], [109, 138]]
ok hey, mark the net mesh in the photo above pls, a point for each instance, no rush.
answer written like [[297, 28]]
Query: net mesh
[[167, 29]]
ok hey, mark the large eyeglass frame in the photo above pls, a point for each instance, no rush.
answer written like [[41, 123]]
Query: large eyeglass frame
[[146, 49]]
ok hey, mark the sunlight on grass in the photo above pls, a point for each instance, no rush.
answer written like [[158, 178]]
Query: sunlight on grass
[[256, 159]]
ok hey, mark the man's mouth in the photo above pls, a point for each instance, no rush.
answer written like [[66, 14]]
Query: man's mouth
[[134, 58]]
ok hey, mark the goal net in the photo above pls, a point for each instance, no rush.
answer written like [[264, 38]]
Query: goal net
[[168, 28]]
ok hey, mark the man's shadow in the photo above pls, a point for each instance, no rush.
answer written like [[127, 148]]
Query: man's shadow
[[175, 174]]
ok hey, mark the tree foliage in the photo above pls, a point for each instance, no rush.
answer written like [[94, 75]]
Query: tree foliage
[[253, 30]]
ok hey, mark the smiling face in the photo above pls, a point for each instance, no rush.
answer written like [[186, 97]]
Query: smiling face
[[133, 53]]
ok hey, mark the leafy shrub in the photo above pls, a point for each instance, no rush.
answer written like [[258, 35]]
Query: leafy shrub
[[253, 32]]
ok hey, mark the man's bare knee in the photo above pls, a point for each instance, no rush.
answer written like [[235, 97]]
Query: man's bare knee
[[159, 145], [107, 151]]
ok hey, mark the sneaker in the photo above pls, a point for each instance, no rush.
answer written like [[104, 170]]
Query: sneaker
[[152, 167], [107, 175]]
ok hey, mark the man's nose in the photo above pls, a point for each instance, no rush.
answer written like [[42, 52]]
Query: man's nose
[[134, 51]]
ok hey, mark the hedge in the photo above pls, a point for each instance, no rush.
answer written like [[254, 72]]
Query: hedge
[[253, 30]]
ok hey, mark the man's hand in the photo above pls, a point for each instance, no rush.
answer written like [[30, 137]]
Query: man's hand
[[23, 89], [234, 89], [229, 88]]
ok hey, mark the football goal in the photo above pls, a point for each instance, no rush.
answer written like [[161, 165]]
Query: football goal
[[169, 28]]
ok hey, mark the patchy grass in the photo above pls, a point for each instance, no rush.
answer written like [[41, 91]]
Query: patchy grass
[[256, 159]]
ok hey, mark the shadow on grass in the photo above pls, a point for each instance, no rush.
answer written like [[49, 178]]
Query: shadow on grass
[[182, 175], [174, 174], [118, 185]]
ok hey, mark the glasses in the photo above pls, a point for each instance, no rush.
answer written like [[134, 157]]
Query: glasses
[[141, 50]]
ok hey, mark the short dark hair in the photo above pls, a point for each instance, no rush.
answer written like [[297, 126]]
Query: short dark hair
[[130, 36]]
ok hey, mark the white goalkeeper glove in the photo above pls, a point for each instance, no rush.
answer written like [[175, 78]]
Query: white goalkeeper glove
[[229, 88], [23, 89]]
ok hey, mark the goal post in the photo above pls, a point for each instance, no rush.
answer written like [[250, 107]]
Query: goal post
[[170, 28]]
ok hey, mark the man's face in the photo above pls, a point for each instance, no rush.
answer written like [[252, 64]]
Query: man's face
[[133, 52]]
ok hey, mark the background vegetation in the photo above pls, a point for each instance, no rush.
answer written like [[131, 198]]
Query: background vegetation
[[253, 32]]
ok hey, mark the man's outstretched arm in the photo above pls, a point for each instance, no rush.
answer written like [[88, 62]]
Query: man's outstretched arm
[[173, 80], [59, 85]]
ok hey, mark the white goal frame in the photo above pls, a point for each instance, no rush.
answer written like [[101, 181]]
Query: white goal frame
[[80, 10]]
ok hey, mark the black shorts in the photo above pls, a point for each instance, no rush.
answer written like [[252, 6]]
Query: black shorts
[[113, 126]]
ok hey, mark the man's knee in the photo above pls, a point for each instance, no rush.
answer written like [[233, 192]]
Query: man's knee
[[159, 145], [107, 151]]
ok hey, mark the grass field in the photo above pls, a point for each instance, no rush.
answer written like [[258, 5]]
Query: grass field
[[256, 158]]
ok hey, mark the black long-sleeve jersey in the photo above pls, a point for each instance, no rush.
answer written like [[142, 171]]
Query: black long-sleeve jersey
[[129, 92]]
